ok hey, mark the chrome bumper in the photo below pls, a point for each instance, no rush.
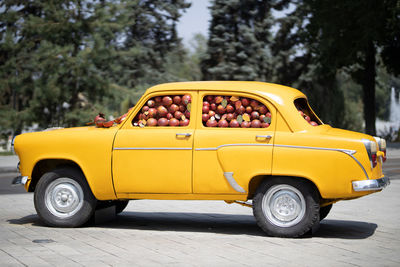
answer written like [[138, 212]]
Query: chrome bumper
[[20, 180], [371, 185]]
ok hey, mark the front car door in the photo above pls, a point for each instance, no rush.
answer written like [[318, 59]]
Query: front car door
[[153, 150]]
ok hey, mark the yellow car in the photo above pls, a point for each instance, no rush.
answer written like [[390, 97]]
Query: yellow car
[[231, 141]]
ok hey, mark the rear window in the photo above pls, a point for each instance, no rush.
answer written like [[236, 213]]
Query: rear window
[[306, 112]]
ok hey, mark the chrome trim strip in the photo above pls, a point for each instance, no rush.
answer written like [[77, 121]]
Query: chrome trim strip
[[347, 151], [371, 185], [233, 183], [152, 148], [362, 167], [218, 147]]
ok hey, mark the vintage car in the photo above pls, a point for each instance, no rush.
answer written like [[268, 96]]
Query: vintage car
[[231, 141]]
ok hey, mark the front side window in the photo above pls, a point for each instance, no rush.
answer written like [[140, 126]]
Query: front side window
[[167, 110], [234, 112]]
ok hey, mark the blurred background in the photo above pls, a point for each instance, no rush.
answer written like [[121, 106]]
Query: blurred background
[[62, 62]]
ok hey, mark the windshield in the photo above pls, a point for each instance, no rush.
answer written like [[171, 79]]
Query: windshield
[[306, 112]]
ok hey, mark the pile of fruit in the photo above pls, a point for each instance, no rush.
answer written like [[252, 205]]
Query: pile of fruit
[[165, 111], [235, 112], [307, 118]]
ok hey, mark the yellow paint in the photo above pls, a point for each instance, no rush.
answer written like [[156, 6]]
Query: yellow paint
[[162, 165]]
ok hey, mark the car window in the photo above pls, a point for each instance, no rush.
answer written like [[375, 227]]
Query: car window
[[306, 112], [165, 110], [234, 112]]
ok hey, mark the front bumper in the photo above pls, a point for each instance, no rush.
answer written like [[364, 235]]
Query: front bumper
[[371, 185], [20, 180]]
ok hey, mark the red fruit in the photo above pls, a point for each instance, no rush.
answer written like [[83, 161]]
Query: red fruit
[[218, 99], [151, 103], [108, 124], [209, 98], [151, 122], [158, 99], [182, 108], [100, 122], [162, 111], [187, 114], [262, 118], [255, 124], [264, 125], [178, 115], [163, 122], [301, 113], [245, 124], [223, 117], [145, 108], [205, 103], [238, 104], [100, 116], [205, 117], [185, 122], [230, 108], [211, 123], [142, 116], [249, 109], [255, 115], [254, 104], [170, 116], [221, 109], [245, 102], [307, 118], [240, 110], [213, 106], [173, 122], [223, 123], [167, 101], [177, 99], [268, 114], [206, 109], [263, 109], [313, 123], [234, 123], [173, 108], [152, 112], [230, 116], [186, 99], [211, 113]]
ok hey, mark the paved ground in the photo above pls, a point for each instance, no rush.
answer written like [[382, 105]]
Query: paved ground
[[363, 232]]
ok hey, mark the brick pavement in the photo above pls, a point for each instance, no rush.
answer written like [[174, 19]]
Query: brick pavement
[[363, 232]]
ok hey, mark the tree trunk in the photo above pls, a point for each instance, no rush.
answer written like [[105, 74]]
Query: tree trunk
[[368, 85]]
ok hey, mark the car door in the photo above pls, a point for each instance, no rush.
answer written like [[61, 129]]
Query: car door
[[226, 158], [156, 159]]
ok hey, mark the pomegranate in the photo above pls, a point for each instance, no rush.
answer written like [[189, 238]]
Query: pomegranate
[[100, 116], [262, 117], [268, 114], [162, 111], [178, 115], [173, 122], [182, 108], [211, 123], [209, 98], [163, 122], [221, 109], [108, 124], [245, 124], [313, 123], [213, 106], [152, 112], [255, 115], [301, 113], [249, 109], [205, 117], [245, 102], [205, 103], [99, 122], [223, 117], [169, 116], [187, 114], [230, 116], [238, 104], [218, 99], [223, 123], [186, 99], [264, 124], [167, 100], [230, 108], [177, 99], [151, 103], [234, 123], [206, 109], [151, 122], [254, 104], [142, 116], [158, 99], [263, 109], [173, 108], [240, 110], [145, 108], [255, 124], [211, 113], [307, 118], [184, 122]]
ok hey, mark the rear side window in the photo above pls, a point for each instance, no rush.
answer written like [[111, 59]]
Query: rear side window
[[166, 110], [306, 112], [234, 112]]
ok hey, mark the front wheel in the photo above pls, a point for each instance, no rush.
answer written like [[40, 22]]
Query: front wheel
[[63, 198], [286, 207]]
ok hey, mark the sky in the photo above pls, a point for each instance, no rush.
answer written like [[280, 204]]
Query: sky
[[194, 20]]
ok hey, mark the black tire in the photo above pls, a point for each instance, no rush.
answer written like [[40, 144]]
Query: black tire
[[324, 211], [63, 198], [294, 222], [120, 205]]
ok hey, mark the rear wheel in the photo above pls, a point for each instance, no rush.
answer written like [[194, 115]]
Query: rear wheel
[[63, 198], [286, 207]]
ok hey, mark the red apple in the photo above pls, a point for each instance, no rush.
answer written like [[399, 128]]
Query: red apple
[[240, 110], [151, 122], [184, 122], [182, 108], [173, 122], [167, 100], [205, 117], [254, 104], [230, 116], [211, 123], [307, 118], [177, 99], [230, 108], [234, 123], [178, 115], [151, 103], [108, 124], [221, 109], [186, 99], [145, 108], [206, 109], [255, 124], [142, 116], [209, 98], [255, 115], [205, 103], [162, 111], [262, 118], [187, 114], [170, 116], [313, 123], [223, 123], [158, 99], [249, 109], [238, 104], [152, 112], [263, 109], [264, 125], [211, 113], [173, 108], [245, 124], [301, 113], [245, 102], [268, 114], [163, 122], [213, 106]]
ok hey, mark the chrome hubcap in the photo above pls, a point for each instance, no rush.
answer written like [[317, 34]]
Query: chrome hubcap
[[283, 205], [64, 197]]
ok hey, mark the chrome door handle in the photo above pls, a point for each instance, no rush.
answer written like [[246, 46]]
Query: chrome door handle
[[264, 136], [183, 134]]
